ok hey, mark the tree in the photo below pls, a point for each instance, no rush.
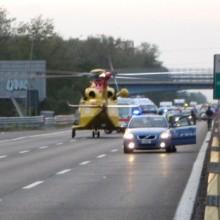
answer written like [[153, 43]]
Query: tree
[[5, 25]]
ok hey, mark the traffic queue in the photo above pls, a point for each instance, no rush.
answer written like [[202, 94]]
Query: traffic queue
[[164, 128]]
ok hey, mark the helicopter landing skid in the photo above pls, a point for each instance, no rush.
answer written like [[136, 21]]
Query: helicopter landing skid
[[95, 134]]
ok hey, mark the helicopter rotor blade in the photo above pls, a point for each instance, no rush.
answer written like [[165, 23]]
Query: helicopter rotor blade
[[130, 77], [113, 73], [121, 106], [84, 106]]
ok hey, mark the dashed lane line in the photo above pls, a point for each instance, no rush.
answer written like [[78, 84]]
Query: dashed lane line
[[43, 147], [101, 156], [114, 150], [24, 152], [59, 143], [63, 171], [3, 156], [32, 185], [18, 139], [84, 163]]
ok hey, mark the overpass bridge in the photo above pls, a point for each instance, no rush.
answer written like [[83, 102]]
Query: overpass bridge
[[166, 81]]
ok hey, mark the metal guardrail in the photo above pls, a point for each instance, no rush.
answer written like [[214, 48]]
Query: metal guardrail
[[35, 121], [21, 122]]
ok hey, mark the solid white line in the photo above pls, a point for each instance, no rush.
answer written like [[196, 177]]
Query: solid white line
[[63, 172], [101, 156], [185, 207], [59, 143], [43, 147], [114, 150], [84, 163], [3, 156], [32, 185], [24, 152]]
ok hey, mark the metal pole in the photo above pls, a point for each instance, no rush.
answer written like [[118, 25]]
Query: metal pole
[[28, 97]]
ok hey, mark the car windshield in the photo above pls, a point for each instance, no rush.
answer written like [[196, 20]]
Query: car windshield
[[148, 122], [148, 107]]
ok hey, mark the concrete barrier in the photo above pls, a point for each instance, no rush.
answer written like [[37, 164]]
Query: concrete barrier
[[212, 208]]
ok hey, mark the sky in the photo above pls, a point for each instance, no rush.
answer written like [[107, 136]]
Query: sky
[[186, 32]]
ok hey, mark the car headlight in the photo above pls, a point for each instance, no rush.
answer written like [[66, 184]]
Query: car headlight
[[165, 134], [128, 136]]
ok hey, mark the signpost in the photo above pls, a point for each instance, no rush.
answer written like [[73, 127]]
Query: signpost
[[216, 93]]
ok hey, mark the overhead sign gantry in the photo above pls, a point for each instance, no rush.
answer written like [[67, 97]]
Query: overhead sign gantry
[[216, 92]]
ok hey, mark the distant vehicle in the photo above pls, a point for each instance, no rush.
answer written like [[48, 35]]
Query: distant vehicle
[[166, 104], [149, 132], [172, 110], [126, 113], [137, 105], [146, 105], [47, 114], [179, 102]]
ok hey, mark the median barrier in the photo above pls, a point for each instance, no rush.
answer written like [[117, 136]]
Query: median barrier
[[11, 123], [64, 119], [21, 122], [212, 203]]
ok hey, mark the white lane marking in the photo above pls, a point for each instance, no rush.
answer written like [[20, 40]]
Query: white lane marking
[[43, 147], [185, 207], [84, 163], [72, 141], [24, 152], [59, 143], [32, 136], [114, 150], [32, 185], [63, 171], [48, 134], [101, 156], [18, 139], [3, 156]]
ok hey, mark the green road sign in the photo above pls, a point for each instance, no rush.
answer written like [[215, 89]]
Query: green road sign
[[216, 93]]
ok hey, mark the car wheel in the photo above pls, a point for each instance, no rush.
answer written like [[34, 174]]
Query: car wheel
[[168, 149], [127, 151], [107, 131], [174, 149], [171, 149], [73, 133]]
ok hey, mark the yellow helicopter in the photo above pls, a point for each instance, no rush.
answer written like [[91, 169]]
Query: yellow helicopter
[[98, 108]]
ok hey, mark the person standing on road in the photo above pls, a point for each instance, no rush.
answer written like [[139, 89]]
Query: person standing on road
[[209, 113], [193, 115]]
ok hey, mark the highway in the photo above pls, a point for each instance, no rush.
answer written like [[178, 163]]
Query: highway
[[47, 175]]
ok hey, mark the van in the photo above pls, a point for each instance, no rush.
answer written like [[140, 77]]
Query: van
[[139, 106]]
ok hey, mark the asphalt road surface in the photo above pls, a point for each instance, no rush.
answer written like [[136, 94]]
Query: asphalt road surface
[[47, 175]]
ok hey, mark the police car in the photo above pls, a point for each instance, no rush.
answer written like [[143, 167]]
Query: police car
[[150, 132]]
